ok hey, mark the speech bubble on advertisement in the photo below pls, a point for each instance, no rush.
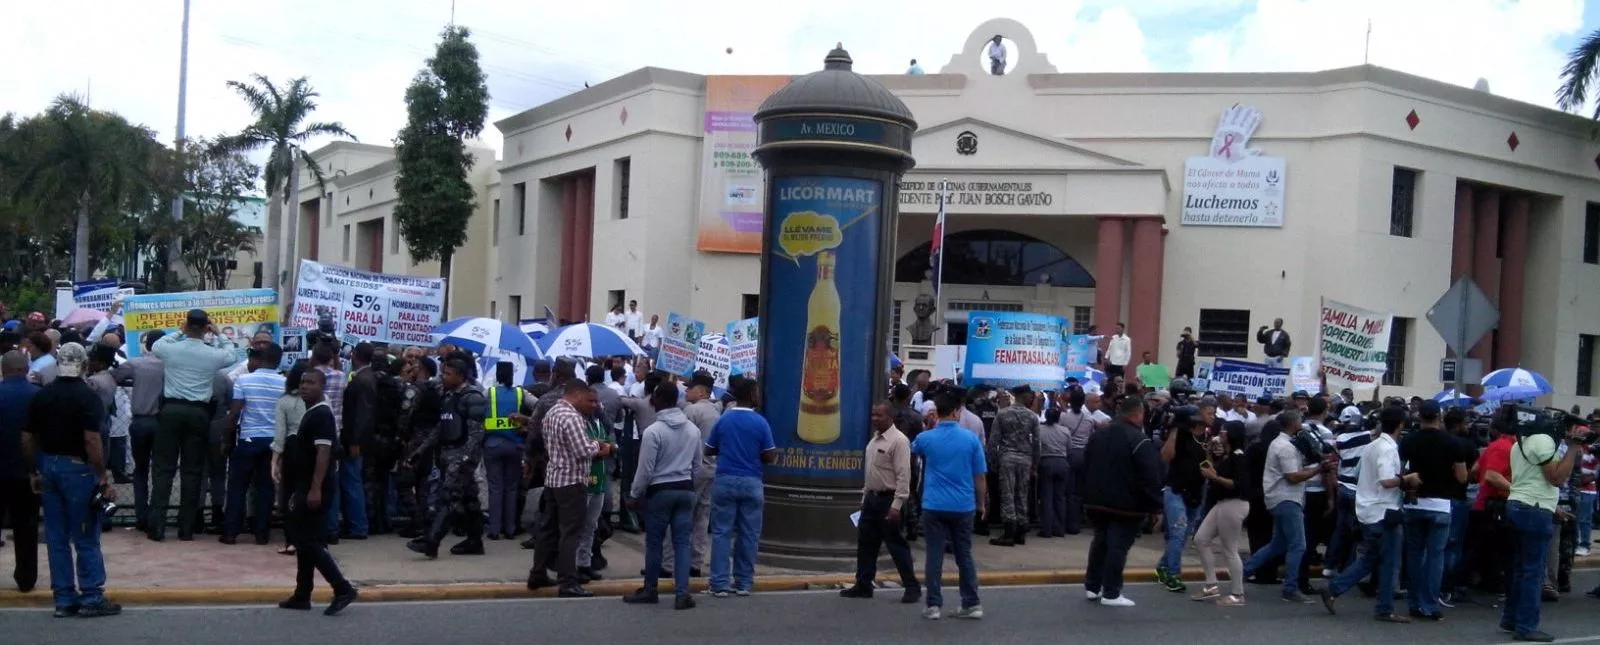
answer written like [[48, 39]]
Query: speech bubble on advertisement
[[807, 233]]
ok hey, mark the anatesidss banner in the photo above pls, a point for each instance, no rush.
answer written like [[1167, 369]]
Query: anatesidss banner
[[370, 306]]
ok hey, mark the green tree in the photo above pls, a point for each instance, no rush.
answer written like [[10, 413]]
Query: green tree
[[217, 184], [1579, 75], [282, 126], [447, 103], [84, 166]]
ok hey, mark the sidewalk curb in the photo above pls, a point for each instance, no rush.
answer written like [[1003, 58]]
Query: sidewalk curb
[[608, 588]]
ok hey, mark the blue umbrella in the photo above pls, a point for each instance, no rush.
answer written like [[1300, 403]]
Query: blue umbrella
[[485, 336], [587, 340], [1452, 398], [1514, 383], [894, 361]]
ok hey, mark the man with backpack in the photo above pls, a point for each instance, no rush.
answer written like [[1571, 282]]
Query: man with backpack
[[382, 447]]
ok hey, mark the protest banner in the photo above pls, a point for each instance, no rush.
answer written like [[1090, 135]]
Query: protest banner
[[714, 356], [294, 346], [89, 294], [237, 314], [371, 306], [1078, 356], [1008, 349], [1354, 345], [680, 345], [744, 336], [1202, 375], [1254, 380], [1303, 374]]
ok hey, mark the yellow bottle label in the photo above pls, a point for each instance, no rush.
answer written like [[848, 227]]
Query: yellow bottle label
[[818, 421], [821, 375]]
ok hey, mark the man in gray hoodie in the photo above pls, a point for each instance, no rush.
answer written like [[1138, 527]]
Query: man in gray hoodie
[[669, 455]]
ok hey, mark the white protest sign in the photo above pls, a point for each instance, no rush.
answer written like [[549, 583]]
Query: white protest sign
[[1354, 345], [370, 306]]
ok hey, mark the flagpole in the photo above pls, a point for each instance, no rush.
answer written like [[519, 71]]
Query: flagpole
[[938, 283]]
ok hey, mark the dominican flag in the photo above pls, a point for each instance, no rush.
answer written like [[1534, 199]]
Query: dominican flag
[[936, 247]]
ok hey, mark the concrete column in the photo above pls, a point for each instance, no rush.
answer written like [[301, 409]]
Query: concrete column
[[1461, 234], [1108, 273], [1513, 277], [583, 247], [1485, 266], [1144, 296], [569, 216]]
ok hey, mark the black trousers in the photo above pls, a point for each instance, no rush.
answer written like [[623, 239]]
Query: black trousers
[[1491, 539], [182, 435], [875, 531], [306, 530], [1055, 477], [379, 457], [1108, 552], [1319, 528], [565, 510], [21, 506]]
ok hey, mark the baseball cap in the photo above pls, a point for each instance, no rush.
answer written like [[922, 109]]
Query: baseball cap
[[1428, 409], [1265, 400], [1300, 394], [1350, 414], [70, 360], [198, 317]]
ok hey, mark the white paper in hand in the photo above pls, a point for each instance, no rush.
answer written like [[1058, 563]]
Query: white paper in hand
[[855, 518]]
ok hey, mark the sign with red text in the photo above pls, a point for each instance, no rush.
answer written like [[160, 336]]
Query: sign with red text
[[379, 307], [1353, 345]]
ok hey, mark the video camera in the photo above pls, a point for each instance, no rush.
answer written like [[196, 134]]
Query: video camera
[[1528, 421]]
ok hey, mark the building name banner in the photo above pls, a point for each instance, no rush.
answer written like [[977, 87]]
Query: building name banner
[[986, 195], [379, 307], [1234, 185], [842, 129], [1354, 345], [732, 188], [238, 315]]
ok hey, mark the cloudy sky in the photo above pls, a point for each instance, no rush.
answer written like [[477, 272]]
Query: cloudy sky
[[361, 54]]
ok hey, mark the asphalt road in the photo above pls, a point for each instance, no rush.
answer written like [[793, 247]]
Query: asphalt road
[[1012, 614]]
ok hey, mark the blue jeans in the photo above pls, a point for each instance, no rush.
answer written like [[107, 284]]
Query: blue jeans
[[1455, 547], [250, 467], [953, 528], [1380, 550], [1531, 528], [1288, 541], [735, 508], [1182, 520], [72, 532], [351, 500], [1585, 513], [1427, 533], [675, 509]]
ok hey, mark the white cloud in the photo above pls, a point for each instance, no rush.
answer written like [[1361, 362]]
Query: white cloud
[[1510, 43], [360, 54]]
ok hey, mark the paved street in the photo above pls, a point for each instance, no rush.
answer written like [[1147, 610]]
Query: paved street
[[1013, 614]]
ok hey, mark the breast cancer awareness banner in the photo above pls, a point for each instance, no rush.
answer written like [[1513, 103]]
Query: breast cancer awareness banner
[[1234, 185]]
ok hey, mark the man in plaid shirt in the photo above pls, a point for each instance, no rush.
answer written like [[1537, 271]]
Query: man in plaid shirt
[[570, 452]]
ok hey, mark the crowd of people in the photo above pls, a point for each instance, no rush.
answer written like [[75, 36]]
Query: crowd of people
[[1376, 494]]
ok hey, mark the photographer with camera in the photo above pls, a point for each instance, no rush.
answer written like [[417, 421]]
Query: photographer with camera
[[1539, 465], [1182, 451]]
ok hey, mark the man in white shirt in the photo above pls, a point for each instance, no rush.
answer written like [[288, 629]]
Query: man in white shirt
[[1379, 490], [633, 320], [1283, 484], [616, 320], [650, 337], [997, 56], [1119, 350]]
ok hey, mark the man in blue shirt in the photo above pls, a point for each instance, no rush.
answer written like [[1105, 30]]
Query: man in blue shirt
[[248, 444], [953, 488], [17, 499], [741, 441]]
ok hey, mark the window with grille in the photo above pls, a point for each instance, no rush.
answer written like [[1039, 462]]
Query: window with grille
[[1402, 202], [1225, 333], [624, 177], [1591, 234], [983, 306], [1399, 344], [1082, 317], [894, 326], [519, 194]]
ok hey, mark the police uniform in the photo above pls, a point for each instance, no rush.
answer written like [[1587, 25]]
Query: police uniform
[[459, 440], [502, 458]]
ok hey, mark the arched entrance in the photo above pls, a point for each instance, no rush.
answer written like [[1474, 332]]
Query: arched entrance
[[992, 269]]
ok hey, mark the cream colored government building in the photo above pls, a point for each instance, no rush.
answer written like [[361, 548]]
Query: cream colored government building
[[1212, 201]]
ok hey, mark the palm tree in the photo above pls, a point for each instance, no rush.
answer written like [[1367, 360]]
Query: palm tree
[[281, 126], [95, 162], [1579, 75]]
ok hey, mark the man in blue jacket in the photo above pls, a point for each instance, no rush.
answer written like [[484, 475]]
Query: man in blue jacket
[[17, 499]]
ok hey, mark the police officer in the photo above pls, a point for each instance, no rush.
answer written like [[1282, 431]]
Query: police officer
[[459, 439], [502, 452]]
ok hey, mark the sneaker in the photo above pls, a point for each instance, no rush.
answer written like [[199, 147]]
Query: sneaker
[[1327, 600], [1582, 551], [102, 608], [1297, 597], [974, 612], [1119, 601], [1207, 592], [683, 602], [1230, 601], [932, 613], [1534, 637], [741, 592], [340, 601], [1549, 594], [1174, 584], [68, 611], [1094, 596], [1162, 576], [718, 593], [911, 596], [1447, 600], [1327, 574]]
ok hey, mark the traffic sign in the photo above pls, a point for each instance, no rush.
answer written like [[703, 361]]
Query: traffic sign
[[1463, 315]]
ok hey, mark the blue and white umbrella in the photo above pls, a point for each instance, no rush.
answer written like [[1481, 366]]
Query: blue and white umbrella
[[894, 361], [486, 336], [534, 330], [1452, 398], [1514, 383], [587, 340]]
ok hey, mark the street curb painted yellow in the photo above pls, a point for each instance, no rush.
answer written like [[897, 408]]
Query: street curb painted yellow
[[494, 591]]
